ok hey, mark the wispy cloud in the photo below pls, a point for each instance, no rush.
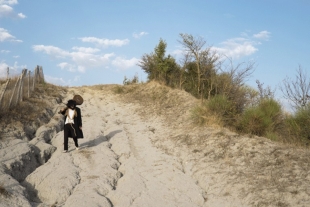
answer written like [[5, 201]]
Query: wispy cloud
[[67, 66], [83, 58], [263, 35], [3, 69], [86, 49], [236, 47], [21, 15], [14, 69], [105, 42], [51, 50], [56, 81], [241, 46], [139, 35], [125, 63], [61, 81], [9, 2], [5, 51], [6, 36], [8, 11]]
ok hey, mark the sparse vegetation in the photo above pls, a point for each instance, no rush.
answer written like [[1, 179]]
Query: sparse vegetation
[[4, 192], [33, 111], [134, 80], [225, 98], [261, 119]]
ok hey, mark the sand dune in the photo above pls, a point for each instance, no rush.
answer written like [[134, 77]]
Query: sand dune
[[139, 156]]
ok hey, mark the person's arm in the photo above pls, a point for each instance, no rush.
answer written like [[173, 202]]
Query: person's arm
[[63, 111], [79, 116]]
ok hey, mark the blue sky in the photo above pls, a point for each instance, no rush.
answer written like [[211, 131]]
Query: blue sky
[[79, 42]]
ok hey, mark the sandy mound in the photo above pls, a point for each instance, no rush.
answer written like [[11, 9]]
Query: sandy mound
[[141, 149]]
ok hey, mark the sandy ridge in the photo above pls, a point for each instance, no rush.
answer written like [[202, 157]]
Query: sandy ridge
[[127, 159]]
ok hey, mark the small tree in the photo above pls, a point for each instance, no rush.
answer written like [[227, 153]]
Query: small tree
[[204, 61], [297, 91], [157, 65]]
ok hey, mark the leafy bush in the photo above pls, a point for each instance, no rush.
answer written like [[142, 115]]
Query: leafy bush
[[221, 106], [298, 125], [261, 120]]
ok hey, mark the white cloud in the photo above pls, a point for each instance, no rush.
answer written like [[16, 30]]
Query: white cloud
[[8, 11], [5, 10], [178, 52], [67, 66], [5, 51], [125, 63], [3, 70], [9, 2], [6, 36], [86, 49], [241, 46], [263, 35], [138, 35], [56, 81], [88, 60], [105, 42], [16, 56], [81, 60], [14, 70], [21, 15], [236, 48], [51, 50]]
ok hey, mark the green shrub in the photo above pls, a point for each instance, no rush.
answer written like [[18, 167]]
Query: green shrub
[[299, 124], [223, 107], [254, 121], [261, 120]]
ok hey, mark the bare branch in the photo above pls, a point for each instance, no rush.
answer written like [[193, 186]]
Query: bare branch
[[297, 91]]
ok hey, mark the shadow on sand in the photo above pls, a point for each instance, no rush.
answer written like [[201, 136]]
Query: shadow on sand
[[99, 139]]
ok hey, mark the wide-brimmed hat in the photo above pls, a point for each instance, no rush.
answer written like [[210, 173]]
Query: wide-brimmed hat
[[71, 103], [78, 99]]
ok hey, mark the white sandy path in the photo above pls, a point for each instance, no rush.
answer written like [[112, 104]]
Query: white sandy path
[[117, 164]]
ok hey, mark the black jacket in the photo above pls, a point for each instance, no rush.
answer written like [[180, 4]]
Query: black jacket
[[77, 121]]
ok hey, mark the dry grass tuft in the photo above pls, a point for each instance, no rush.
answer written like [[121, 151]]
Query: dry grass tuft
[[172, 104], [203, 117], [33, 111], [4, 192]]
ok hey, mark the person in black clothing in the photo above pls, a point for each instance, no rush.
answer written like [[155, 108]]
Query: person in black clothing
[[73, 124]]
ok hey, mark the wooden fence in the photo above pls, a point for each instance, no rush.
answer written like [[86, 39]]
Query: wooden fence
[[13, 90]]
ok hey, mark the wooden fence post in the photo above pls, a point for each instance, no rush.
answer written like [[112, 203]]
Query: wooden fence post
[[7, 72], [13, 92], [21, 86], [28, 83], [34, 78], [4, 89], [18, 90], [41, 75]]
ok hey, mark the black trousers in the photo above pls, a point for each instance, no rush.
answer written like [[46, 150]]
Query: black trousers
[[69, 131]]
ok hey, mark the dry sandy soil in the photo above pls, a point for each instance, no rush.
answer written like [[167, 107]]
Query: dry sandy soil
[[141, 150]]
